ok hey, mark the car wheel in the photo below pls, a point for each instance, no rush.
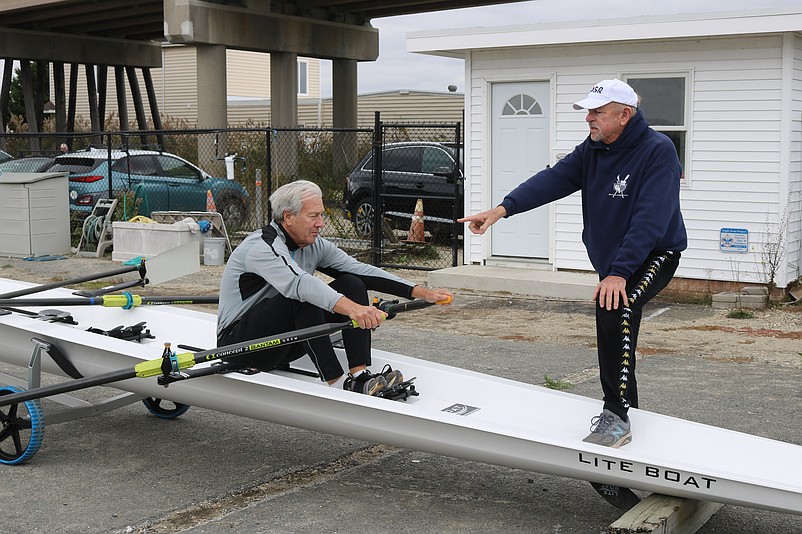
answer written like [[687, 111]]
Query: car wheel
[[233, 213], [363, 218]]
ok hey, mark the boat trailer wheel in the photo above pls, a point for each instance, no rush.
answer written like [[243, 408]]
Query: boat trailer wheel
[[164, 408], [21, 429]]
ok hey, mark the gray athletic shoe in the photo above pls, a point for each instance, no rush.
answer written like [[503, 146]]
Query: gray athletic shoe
[[392, 376], [609, 430], [365, 382]]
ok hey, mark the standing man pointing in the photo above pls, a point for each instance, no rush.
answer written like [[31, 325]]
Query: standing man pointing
[[629, 176]]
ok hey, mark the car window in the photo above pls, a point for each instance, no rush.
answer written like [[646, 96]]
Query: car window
[[368, 165], [143, 165], [76, 164], [405, 159], [176, 168], [26, 165], [435, 158]]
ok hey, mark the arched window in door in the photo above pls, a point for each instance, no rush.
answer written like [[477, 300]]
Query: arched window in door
[[522, 105]]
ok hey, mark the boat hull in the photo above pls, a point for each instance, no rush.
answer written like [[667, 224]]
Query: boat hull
[[459, 413]]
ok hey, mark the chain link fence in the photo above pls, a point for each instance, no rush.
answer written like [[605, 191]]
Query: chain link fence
[[418, 187], [234, 171]]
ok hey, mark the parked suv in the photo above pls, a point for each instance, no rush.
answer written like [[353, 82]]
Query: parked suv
[[29, 164], [412, 170], [164, 182]]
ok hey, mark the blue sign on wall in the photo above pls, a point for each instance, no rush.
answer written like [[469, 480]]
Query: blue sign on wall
[[734, 240]]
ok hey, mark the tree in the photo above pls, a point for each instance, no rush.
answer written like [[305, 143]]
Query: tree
[[16, 98]]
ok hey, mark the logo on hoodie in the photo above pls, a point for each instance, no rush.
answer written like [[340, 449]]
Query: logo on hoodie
[[619, 186]]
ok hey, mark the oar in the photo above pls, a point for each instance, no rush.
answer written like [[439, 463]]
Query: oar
[[168, 265], [177, 362], [126, 300], [73, 281], [173, 363]]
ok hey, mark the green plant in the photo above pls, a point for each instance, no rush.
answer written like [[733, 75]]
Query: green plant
[[556, 384], [128, 204], [772, 251], [741, 313]]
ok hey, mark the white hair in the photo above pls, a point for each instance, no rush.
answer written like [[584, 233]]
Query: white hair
[[290, 197]]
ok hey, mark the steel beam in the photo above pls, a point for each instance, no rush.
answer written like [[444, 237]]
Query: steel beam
[[195, 21], [46, 46]]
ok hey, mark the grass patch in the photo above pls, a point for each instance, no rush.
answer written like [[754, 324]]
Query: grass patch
[[553, 383], [741, 313]]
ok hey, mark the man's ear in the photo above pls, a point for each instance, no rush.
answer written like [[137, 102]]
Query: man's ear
[[626, 114]]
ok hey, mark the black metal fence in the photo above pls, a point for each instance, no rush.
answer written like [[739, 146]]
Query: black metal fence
[[234, 171], [419, 192]]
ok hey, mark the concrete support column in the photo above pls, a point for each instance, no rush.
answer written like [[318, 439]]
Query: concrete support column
[[345, 152], [284, 112], [212, 105]]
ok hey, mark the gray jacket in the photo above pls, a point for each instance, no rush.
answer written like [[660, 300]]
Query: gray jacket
[[268, 263]]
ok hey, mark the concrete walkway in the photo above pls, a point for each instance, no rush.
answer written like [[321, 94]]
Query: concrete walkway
[[521, 281]]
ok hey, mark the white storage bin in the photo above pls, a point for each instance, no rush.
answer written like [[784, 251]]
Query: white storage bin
[[34, 214], [133, 239]]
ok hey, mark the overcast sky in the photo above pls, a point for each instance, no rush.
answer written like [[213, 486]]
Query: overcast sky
[[398, 69]]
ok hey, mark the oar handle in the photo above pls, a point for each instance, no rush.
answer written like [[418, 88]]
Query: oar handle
[[393, 307]]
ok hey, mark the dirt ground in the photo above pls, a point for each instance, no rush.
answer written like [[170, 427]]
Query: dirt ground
[[772, 336]]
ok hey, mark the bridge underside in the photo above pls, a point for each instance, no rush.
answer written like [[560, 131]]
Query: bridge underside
[[126, 35]]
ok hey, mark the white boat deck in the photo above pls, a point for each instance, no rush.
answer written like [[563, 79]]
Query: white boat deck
[[459, 413]]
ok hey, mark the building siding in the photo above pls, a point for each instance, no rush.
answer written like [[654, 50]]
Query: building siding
[[394, 106], [736, 148]]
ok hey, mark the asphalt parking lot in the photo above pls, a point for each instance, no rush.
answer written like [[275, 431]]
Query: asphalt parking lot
[[209, 472]]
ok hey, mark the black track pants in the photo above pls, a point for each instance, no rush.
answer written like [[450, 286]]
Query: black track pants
[[617, 332], [280, 314]]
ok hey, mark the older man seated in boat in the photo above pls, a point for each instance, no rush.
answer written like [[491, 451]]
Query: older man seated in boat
[[269, 287]]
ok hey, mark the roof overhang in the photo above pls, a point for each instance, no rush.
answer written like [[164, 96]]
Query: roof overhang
[[457, 42]]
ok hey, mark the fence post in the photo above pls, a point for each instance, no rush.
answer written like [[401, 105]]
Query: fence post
[[258, 199], [269, 170], [458, 180], [376, 234]]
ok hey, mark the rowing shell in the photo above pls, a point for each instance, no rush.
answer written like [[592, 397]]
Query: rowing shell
[[459, 413]]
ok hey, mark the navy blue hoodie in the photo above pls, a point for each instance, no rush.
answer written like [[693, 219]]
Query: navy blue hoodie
[[630, 197]]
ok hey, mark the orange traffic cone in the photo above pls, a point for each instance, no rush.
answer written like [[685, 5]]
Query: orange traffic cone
[[416, 228], [210, 201]]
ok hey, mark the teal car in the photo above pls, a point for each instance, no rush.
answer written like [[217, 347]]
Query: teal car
[[164, 182]]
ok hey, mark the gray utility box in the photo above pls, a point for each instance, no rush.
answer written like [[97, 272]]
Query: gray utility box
[[34, 214]]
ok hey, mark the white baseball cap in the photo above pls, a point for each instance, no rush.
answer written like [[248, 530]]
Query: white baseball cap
[[607, 91]]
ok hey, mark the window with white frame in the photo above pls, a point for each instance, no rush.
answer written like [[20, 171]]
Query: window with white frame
[[664, 103], [303, 78]]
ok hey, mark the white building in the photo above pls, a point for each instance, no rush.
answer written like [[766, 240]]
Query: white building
[[727, 87]]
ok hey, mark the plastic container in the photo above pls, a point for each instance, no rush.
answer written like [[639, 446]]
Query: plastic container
[[134, 239], [214, 250]]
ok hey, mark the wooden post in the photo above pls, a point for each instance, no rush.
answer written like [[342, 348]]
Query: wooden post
[[661, 514]]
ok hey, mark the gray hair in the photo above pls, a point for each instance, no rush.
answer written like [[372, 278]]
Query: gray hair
[[290, 197]]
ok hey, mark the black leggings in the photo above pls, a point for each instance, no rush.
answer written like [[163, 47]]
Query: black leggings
[[280, 314], [617, 332]]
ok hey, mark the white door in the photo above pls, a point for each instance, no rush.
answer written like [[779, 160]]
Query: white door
[[519, 146]]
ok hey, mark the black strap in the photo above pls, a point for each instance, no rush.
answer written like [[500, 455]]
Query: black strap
[[59, 357]]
